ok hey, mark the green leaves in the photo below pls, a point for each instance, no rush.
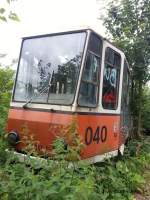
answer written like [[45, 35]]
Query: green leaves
[[6, 84], [146, 110], [128, 23], [2, 10], [55, 180], [13, 16], [3, 18], [6, 14]]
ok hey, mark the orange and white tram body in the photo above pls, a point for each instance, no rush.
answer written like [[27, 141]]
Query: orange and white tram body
[[71, 73]]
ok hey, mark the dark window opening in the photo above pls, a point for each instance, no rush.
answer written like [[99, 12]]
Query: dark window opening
[[95, 44], [125, 85], [88, 94], [125, 108], [111, 79]]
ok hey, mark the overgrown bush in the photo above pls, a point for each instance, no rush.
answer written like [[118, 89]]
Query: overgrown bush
[[6, 84], [55, 178], [121, 179], [60, 179]]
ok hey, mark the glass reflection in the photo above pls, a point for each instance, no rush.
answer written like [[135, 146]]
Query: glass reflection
[[49, 68]]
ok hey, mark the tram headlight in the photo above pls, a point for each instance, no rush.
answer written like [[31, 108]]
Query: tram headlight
[[13, 138]]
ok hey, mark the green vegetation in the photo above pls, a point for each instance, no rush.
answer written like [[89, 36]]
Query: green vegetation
[[6, 13], [59, 179], [128, 22], [146, 109], [6, 84]]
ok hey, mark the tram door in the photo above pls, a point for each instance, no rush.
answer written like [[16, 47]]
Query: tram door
[[125, 107]]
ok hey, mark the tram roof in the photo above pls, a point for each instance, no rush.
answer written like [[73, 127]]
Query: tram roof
[[72, 30]]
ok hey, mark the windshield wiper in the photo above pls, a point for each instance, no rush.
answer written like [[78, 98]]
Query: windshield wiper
[[25, 106]]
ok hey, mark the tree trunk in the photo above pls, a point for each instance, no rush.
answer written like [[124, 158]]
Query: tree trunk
[[139, 125]]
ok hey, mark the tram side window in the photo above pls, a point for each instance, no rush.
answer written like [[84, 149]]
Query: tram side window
[[88, 93], [125, 108], [111, 79], [125, 86]]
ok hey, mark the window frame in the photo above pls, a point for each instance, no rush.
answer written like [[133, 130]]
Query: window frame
[[126, 72], [49, 35], [88, 51], [118, 82]]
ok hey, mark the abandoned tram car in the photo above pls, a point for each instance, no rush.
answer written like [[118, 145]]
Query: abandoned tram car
[[69, 74]]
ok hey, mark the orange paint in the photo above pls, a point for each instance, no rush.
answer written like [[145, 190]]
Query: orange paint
[[100, 131]]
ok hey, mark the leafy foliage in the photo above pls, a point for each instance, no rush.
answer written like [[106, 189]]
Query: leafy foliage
[[128, 23], [6, 14], [146, 109], [6, 83], [60, 179]]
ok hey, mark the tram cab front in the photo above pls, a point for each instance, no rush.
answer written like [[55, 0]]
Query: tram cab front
[[69, 75]]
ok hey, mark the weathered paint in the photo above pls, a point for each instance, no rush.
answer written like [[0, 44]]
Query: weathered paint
[[45, 126]]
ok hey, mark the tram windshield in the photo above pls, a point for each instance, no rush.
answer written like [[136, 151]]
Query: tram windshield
[[49, 68]]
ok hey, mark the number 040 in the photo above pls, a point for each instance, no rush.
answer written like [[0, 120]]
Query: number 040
[[99, 135]]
